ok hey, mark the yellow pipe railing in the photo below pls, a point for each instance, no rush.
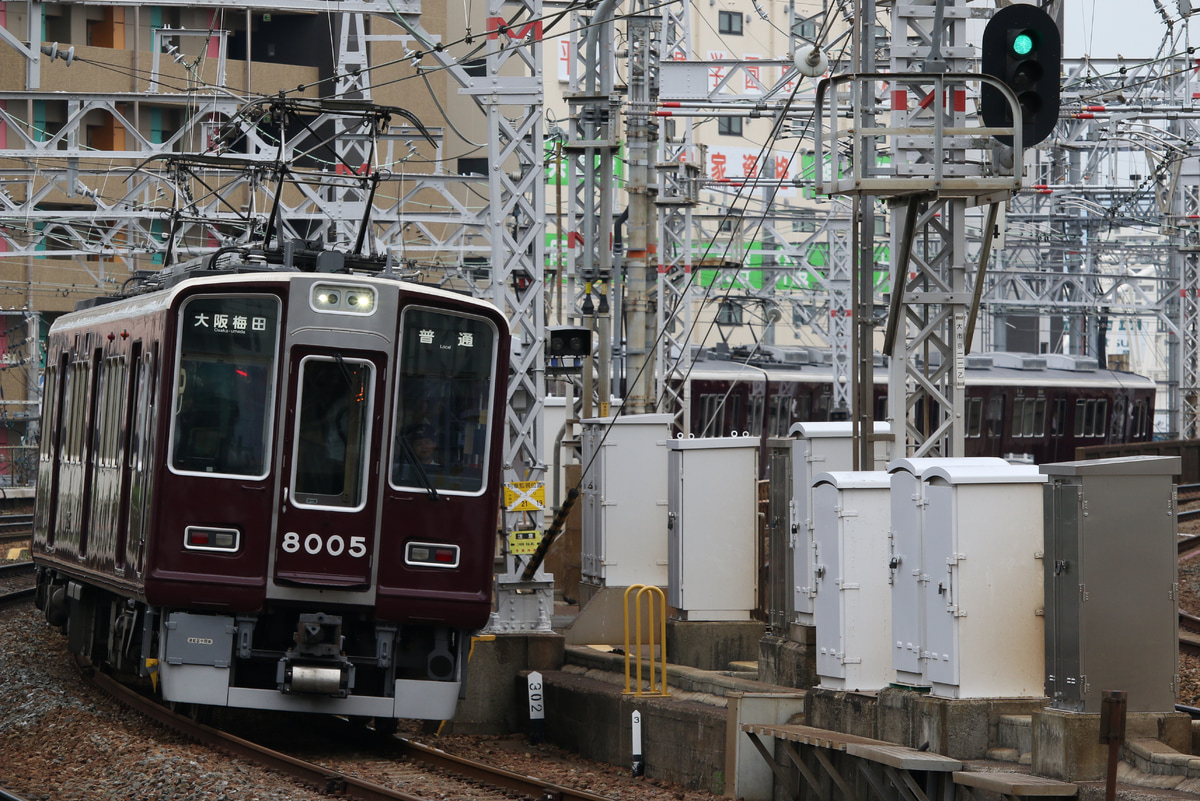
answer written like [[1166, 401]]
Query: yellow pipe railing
[[650, 593]]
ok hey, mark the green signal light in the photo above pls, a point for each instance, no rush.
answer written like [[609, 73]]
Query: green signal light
[[1022, 44]]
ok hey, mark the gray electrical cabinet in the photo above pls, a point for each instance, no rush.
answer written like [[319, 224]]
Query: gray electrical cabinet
[[712, 498], [624, 538], [909, 574], [781, 536], [819, 448], [1111, 582], [853, 600]]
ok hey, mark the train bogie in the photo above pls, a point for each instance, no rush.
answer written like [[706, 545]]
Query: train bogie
[[276, 489]]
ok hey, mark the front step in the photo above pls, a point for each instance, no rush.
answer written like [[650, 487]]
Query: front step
[[1014, 740], [1150, 763]]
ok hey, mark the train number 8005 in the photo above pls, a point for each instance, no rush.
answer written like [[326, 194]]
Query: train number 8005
[[334, 546]]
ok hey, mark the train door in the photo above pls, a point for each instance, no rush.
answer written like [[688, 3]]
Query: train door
[[326, 530], [139, 450], [46, 508], [107, 463], [72, 470]]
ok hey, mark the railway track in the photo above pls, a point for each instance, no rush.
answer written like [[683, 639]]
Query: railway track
[[484, 781], [15, 528], [1189, 633], [13, 597]]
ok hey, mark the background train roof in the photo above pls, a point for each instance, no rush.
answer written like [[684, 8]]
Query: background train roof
[[1000, 368]]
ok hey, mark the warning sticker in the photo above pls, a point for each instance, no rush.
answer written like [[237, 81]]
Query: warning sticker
[[525, 496]]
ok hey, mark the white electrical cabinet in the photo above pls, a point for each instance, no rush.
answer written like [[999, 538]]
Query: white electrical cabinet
[[712, 527], [624, 538], [983, 598], [853, 600], [818, 448], [907, 570]]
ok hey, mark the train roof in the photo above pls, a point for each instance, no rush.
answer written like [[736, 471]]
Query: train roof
[[117, 307], [996, 368]]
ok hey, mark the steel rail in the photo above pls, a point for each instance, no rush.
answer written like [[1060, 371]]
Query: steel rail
[[333, 781], [497, 777], [16, 596], [306, 772]]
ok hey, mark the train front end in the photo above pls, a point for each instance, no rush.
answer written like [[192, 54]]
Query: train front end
[[309, 505]]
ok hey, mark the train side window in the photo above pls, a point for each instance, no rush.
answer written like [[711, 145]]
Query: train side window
[[1027, 415], [49, 412], [995, 416], [1089, 418], [137, 423], [756, 413], [109, 421], [1101, 418], [803, 409], [1058, 423], [1139, 419], [1018, 417], [225, 385], [974, 417], [445, 392], [1081, 407], [783, 416], [80, 372], [711, 414], [1039, 418], [822, 408]]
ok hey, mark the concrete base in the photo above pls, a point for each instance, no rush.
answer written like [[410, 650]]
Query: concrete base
[[682, 741], [1066, 745], [957, 728], [790, 661], [601, 620], [492, 705], [712, 645]]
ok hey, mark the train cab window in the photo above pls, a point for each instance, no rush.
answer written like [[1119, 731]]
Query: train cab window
[[444, 401], [1101, 425], [225, 385], [1081, 406], [974, 417], [333, 431]]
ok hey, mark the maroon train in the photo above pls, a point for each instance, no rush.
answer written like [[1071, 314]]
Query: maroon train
[[272, 487], [1020, 406]]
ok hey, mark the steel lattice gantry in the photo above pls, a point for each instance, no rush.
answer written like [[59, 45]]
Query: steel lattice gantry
[[1106, 228], [124, 209]]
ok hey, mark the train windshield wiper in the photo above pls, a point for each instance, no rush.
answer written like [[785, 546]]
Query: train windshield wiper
[[411, 455]]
